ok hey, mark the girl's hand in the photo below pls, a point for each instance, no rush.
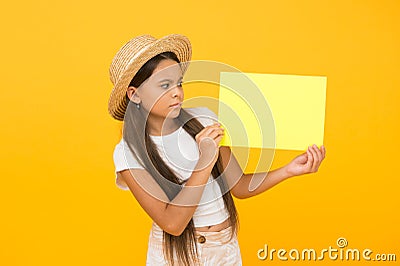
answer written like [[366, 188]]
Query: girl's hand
[[208, 140], [307, 162]]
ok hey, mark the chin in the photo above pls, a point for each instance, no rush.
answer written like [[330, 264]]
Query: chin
[[175, 113]]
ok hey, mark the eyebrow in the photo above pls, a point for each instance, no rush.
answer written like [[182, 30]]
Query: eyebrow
[[169, 80]]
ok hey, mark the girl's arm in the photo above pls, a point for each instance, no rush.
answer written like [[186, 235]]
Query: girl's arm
[[173, 216], [239, 182]]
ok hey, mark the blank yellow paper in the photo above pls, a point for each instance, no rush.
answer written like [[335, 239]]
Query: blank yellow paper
[[272, 110]]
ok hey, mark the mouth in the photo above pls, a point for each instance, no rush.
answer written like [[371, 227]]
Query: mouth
[[176, 104]]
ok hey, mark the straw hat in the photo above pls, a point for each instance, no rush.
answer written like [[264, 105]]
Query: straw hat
[[132, 56]]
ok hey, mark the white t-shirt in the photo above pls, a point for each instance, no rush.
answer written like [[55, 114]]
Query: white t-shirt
[[180, 151]]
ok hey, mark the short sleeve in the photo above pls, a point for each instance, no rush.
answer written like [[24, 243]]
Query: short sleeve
[[123, 159], [205, 116]]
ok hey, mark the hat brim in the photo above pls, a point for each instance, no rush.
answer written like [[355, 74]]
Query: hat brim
[[176, 43]]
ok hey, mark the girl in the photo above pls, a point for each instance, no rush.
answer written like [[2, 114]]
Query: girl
[[171, 161]]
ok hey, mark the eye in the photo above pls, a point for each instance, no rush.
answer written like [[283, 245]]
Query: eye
[[165, 86], [180, 83]]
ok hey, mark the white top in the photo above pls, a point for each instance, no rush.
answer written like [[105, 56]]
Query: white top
[[180, 151]]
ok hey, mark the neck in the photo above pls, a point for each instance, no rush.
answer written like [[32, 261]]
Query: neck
[[159, 126]]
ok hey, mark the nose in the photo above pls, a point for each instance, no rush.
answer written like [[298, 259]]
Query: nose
[[177, 92]]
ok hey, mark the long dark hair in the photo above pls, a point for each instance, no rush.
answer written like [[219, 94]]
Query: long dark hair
[[136, 135]]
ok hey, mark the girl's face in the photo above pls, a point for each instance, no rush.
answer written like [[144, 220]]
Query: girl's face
[[162, 94]]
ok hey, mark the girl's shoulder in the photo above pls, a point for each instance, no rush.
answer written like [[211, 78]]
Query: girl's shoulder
[[121, 145], [203, 114]]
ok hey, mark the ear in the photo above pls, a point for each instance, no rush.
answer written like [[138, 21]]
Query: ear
[[132, 94]]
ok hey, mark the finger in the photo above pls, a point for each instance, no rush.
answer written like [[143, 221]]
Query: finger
[[320, 156], [309, 159], [214, 134], [302, 158], [318, 152], [218, 139], [323, 150], [213, 126], [315, 159], [206, 131], [214, 130]]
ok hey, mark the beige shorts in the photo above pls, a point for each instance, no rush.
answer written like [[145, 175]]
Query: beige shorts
[[214, 248]]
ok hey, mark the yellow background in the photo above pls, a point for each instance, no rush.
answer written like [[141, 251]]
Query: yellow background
[[59, 202]]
